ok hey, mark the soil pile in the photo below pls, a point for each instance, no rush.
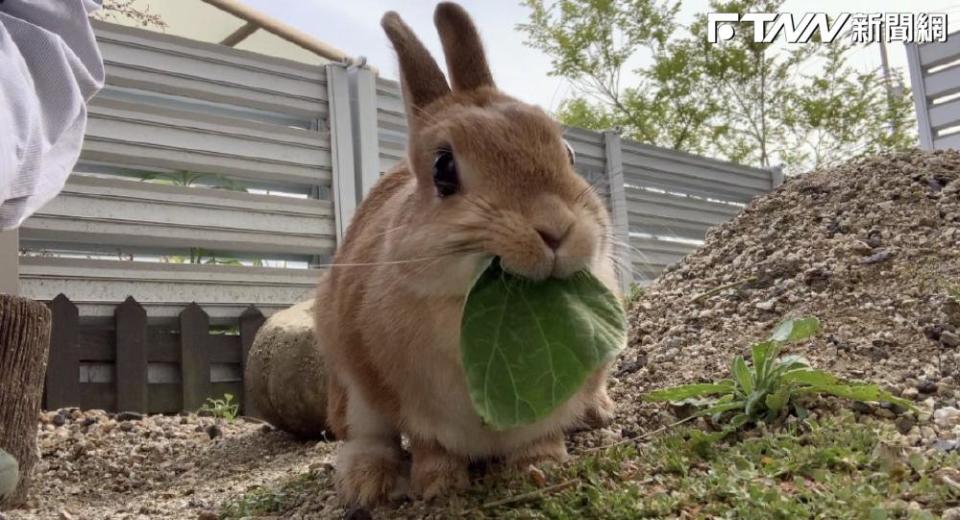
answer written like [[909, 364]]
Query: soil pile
[[871, 247]]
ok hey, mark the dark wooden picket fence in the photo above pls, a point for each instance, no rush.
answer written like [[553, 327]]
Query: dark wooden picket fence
[[134, 365]]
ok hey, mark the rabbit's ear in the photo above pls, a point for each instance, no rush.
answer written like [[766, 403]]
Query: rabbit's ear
[[466, 61], [420, 77]]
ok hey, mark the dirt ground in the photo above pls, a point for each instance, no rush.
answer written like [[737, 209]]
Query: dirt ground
[[95, 466], [125, 466]]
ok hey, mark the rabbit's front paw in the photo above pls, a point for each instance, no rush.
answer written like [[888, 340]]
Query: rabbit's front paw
[[600, 412], [368, 473], [546, 451], [435, 471]]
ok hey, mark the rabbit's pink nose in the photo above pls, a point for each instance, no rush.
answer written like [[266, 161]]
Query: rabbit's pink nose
[[550, 239]]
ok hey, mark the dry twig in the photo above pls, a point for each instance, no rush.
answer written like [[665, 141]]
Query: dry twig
[[643, 437], [525, 497], [722, 288]]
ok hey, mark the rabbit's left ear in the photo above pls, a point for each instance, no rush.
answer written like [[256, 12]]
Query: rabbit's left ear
[[420, 77], [466, 61]]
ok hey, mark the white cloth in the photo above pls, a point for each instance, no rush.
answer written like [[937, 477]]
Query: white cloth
[[50, 67]]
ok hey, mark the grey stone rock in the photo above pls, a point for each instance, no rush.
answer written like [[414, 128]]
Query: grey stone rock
[[285, 376], [880, 256], [9, 474]]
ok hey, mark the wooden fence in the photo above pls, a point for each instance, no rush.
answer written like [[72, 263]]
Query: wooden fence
[[132, 364]]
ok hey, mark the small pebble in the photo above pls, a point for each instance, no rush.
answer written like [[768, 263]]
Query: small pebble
[[128, 416], [214, 431], [537, 476], [884, 413], [946, 417], [927, 387], [767, 305], [946, 445], [881, 256], [905, 423], [949, 339], [951, 514]]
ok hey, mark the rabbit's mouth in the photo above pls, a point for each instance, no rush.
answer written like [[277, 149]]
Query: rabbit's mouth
[[538, 255], [552, 264]]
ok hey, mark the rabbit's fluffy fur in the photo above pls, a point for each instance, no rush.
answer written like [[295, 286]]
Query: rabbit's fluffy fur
[[390, 328]]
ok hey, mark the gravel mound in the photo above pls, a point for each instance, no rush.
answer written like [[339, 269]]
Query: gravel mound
[[871, 247]]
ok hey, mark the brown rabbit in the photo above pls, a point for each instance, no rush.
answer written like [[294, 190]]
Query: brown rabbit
[[485, 176]]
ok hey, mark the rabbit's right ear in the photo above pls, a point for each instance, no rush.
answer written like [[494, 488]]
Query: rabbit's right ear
[[420, 77]]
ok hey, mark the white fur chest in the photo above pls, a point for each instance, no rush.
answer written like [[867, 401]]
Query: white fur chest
[[434, 397], [443, 410]]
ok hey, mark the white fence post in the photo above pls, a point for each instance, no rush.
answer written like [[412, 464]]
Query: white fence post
[[776, 177], [341, 147], [919, 87], [363, 96], [618, 207], [9, 262]]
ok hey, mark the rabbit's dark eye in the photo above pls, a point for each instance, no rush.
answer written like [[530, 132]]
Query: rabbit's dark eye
[[570, 153], [445, 176]]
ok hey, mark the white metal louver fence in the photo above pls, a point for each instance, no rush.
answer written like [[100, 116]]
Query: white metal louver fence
[[935, 81], [263, 162]]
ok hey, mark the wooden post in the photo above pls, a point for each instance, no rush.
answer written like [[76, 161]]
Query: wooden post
[[250, 322], [131, 356], [194, 357], [63, 373], [24, 346]]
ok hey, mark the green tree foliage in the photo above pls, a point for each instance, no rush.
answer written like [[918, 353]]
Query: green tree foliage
[[757, 103]]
